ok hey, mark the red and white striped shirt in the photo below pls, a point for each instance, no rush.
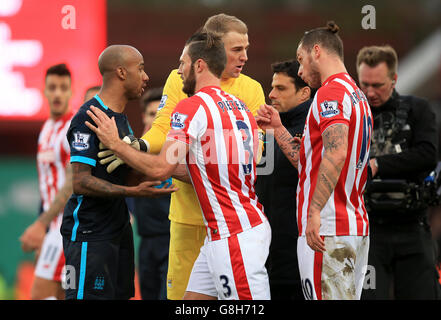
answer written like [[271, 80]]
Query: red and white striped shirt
[[338, 101], [223, 138], [52, 157]]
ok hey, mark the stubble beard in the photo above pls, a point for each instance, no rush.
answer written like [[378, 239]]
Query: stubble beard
[[190, 83]]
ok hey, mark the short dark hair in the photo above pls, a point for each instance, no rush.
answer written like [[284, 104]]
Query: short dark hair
[[326, 37], [210, 48], [59, 70], [374, 55], [291, 68], [152, 94]]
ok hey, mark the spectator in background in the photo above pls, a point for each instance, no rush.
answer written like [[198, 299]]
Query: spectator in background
[[291, 96], [55, 181], [152, 222], [403, 152]]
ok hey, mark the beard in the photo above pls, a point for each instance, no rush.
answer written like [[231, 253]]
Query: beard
[[190, 83], [314, 77]]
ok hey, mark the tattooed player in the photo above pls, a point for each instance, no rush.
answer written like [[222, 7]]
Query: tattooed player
[[332, 160], [97, 235]]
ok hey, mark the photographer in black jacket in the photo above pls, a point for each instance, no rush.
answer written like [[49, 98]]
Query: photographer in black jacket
[[290, 95], [403, 153]]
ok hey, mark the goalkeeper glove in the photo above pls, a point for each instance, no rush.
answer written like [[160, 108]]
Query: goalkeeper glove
[[115, 162]]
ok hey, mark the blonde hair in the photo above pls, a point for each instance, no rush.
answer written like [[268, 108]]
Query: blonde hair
[[221, 24]]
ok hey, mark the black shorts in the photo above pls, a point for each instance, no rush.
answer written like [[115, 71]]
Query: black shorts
[[100, 269]]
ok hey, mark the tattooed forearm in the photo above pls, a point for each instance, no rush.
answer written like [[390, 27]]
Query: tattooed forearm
[[289, 145], [335, 143], [98, 187], [326, 183], [86, 184]]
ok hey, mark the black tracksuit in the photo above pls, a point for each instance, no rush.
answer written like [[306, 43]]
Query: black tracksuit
[[401, 248]]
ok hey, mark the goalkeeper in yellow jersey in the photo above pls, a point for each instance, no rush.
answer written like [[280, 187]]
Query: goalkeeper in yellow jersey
[[187, 230]]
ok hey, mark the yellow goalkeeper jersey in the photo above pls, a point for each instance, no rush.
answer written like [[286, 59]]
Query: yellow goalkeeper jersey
[[184, 205]]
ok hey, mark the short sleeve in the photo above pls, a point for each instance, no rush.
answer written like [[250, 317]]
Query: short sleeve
[[332, 107], [188, 122], [83, 143]]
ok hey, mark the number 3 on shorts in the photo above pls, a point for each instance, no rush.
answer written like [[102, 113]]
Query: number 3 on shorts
[[227, 289]]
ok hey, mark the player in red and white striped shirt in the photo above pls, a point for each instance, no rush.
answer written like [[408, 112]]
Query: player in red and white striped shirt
[[332, 159], [55, 186], [338, 101], [218, 137]]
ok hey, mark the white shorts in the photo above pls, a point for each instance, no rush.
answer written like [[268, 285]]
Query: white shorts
[[50, 264], [234, 268], [336, 274]]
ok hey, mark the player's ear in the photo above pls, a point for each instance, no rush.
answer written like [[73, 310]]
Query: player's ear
[[394, 80], [306, 93], [200, 65], [121, 73], [316, 51]]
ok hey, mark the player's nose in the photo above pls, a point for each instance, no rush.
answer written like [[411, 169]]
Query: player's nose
[[146, 77], [272, 95], [244, 56]]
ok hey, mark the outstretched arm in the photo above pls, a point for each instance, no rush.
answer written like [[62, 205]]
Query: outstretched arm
[[86, 184], [157, 167]]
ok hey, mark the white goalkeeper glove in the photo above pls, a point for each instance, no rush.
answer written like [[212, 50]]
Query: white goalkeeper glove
[[108, 155]]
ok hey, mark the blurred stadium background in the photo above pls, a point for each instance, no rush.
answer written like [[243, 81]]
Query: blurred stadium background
[[34, 36]]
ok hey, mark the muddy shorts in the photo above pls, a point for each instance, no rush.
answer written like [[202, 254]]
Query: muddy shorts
[[336, 274]]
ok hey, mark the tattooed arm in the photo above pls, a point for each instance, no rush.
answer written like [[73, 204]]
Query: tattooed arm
[[289, 145], [86, 184], [268, 118], [159, 167], [335, 144]]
